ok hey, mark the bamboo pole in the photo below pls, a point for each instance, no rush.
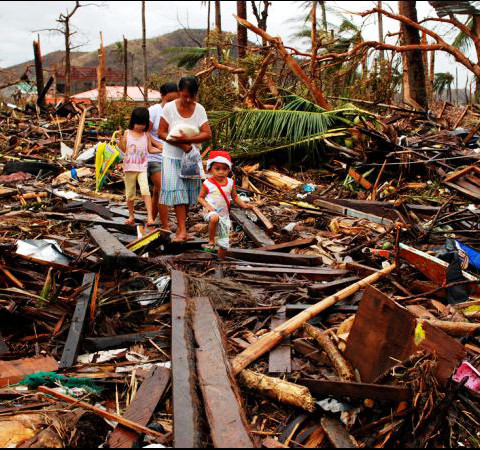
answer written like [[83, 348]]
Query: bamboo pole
[[272, 339]]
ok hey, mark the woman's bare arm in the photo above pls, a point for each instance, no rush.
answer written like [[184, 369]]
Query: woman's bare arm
[[163, 133], [204, 135]]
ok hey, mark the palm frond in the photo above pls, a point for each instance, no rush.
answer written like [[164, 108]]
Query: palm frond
[[462, 41], [186, 57]]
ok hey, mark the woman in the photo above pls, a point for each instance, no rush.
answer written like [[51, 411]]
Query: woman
[[176, 191], [169, 93]]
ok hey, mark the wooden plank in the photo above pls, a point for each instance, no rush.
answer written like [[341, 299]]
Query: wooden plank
[[95, 208], [373, 350], [318, 290], [114, 252], [225, 414], [310, 273], [280, 358], [303, 347], [255, 233], [337, 433], [299, 243], [186, 404], [109, 342], [342, 389], [92, 219], [142, 407], [102, 413], [266, 223], [78, 139], [11, 372], [273, 257], [360, 179], [72, 346]]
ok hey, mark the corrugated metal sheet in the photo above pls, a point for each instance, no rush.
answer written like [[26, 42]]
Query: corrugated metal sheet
[[444, 8]]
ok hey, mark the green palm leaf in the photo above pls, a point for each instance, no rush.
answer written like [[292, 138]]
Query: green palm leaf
[[300, 123], [462, 41]]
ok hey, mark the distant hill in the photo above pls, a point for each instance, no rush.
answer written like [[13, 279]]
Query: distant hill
[[156, 57]]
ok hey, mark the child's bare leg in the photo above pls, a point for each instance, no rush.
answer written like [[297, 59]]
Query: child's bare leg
[[212, 228], [164, 217], [131, 212]]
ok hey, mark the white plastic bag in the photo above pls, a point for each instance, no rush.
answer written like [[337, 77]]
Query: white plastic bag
[[224, 226], [192, 165]]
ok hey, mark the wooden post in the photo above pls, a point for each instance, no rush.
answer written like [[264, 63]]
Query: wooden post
[[38, 70], [101, 81], [277, 335], [125, 67]]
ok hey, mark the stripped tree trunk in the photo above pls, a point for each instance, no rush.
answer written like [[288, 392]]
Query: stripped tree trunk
[[242, 38], [101, 80], [207, 43], [125, 67], [144, 48], [313, 37], [38, 68], [218, 28], [67, 59], [415, 70], [380, 31]]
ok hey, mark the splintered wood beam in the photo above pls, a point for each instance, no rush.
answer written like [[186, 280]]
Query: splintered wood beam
[[259, 256], [255, 233], [312, 273], [337, 433], [72, 346], [223, 406], [266, 223], [342, 389], [114, 252], [78, 139], [109, 342], [286, 246], [318, 290], [186, 404], [280, 358], [142, 407], [272, 339], [102, 413]]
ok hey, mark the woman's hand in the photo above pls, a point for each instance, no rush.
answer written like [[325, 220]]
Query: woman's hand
[[187, 148]]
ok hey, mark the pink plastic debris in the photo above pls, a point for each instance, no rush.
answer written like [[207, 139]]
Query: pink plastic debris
[[467, 370]]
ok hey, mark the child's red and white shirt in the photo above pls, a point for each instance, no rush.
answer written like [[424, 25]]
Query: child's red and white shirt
[[216, 199]]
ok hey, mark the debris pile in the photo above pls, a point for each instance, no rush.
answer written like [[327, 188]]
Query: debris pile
[[346, 312]]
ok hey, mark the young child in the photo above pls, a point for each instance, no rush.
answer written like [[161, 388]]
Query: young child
[[217, 193], [136, 143]]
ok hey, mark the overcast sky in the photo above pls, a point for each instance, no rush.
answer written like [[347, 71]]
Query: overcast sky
[[19, 20]]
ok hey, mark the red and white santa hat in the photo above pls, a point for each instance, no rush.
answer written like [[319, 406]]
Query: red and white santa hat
[[219, 157]]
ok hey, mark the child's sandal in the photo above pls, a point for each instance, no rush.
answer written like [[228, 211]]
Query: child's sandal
[[130, 222]]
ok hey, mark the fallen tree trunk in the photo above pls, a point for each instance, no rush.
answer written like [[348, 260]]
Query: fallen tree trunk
[[341, 365], [279, 390], [270, 340]]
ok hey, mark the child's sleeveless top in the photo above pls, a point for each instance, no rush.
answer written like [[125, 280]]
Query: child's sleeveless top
[[136, 156], [215, 198]]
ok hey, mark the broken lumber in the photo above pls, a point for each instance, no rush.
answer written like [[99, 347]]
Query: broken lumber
[[280, 358], [186, 404], [342, 367], [142, 407], [223, 407], [12, 372], [254, 232], [72, 346], [259, 256], [272, 339], [78, 139], [102, 413], [313, 273], [113, 251], [109, 342], [384, 333], [318, 290], [458, 329], [266, 223], [278, 389], [286, 246], [337, 434], [360, 179], [342, 389]]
